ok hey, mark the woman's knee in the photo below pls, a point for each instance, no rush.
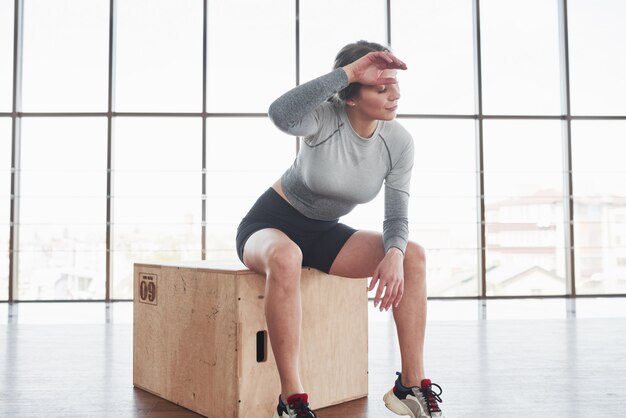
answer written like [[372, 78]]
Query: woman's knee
[[415, 255], [284, 259]]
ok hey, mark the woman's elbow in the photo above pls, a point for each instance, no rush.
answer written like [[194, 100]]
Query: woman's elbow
[[277, 117]]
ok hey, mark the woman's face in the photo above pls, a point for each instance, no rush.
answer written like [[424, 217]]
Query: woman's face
[[377, 102]]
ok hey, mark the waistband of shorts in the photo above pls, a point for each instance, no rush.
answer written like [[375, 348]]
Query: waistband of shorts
[[271, 200]]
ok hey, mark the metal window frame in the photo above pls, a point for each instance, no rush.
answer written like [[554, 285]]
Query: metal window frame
[[297, 17], [480, 166], [566, 117], [388, 21], [16, 122], [566, 135], [110, 115], [205, 13]]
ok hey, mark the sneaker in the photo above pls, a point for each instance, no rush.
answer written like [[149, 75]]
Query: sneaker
[[416, 402], [297, 407]]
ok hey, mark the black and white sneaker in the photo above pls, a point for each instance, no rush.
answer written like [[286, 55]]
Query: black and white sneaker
[[297, 407], [416, 402]]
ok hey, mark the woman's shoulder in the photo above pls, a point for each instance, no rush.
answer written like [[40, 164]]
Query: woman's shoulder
[[327, 119], [396, 135], [328, 111], [399, 143]]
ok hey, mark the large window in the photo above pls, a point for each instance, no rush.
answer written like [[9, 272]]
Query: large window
[[65, 62], [443, 203], [520, 57], [597, 37], [244, 157], [158, 54], [250, 60], [328, 25], [442, 206], [599, 205], [434, 38], [61, 252], [178, 180], [524, 208], [157, 194]]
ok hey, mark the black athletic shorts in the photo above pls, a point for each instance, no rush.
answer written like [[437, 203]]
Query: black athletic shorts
[[320, 241]]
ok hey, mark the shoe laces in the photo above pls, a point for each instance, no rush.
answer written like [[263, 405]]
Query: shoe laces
[[432, 397], [301, 409]]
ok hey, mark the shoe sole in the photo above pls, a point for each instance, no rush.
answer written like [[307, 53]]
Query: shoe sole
[[395, 405]]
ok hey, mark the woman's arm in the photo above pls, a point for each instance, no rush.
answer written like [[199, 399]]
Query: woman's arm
[[295, 112], [389, 273], [397, 185], [396, 223]]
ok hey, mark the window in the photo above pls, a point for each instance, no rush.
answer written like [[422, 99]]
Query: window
[[599, 200], [65, 64], [443, 212], [442, 207], [157, 194], [524, 208], [597, 36], [158, 56], [244, 157], [63, 209], [251, 54], [520, 57], [327, 25], [434, 39]]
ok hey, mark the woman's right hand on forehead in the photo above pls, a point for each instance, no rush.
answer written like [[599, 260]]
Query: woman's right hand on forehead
[[370, 68]]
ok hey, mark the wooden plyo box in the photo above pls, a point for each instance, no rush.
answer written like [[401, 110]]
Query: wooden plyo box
[[200, 339]]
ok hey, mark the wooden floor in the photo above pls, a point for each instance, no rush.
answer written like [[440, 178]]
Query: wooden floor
[[500, 358]]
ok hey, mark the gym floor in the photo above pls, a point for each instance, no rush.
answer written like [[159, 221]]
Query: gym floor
[[503, 358]]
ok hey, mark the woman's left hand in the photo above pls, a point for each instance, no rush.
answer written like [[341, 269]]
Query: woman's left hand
[[390, 277]]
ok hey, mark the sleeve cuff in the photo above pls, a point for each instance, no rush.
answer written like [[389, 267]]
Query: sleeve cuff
[[397, 242]]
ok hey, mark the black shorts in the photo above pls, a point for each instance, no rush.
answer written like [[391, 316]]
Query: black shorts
[[320, 241]]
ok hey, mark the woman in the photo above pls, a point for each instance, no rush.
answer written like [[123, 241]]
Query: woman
[[350, 145]]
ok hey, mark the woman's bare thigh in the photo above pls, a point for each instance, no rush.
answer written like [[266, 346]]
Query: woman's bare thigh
[[360, 255], [258, 247]]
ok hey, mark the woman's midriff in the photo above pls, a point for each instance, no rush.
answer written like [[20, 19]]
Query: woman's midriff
[[279, 189]]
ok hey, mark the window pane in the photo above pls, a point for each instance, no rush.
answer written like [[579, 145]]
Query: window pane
[[442, 207], [443, 203], [246, 73], [66, 44], [524, 208], [62, 208], [599, 179], [520, 57], [326, 26], [240, 167], [597, 36], [5, 204], [6, 55], [434, 38], [159, 56], [157, 189]]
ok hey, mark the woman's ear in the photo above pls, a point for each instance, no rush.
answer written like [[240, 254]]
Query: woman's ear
[[350, 103]]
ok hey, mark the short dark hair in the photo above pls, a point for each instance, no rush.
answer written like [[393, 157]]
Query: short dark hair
[[349, 54]]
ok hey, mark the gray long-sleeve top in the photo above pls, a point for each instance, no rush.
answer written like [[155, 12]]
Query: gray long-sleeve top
[[336, 169]]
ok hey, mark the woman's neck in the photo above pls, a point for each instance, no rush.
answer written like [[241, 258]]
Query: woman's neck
[[364, 127]]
